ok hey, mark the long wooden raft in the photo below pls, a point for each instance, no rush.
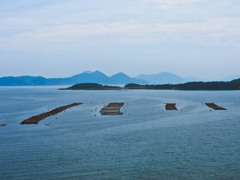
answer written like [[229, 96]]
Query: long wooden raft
[[37, 118], [112, 109], [214, 106]]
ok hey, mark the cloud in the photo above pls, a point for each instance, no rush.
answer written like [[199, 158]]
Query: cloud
[[163, 4], [76, 24]]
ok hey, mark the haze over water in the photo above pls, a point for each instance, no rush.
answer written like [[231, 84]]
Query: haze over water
[[145, 143], [59, 38]]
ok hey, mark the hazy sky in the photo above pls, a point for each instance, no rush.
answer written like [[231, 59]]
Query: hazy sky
[[59, 38]]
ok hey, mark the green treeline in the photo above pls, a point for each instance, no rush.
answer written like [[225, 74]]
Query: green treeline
[[215, 85], [190, 86]]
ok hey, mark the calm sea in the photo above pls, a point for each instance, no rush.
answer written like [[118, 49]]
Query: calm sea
[[144, 143]]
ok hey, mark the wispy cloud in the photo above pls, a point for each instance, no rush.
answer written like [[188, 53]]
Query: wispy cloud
[[163, 4], [74, 24]]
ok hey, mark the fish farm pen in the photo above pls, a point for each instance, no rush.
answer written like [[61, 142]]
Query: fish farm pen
[[112, 109], [214, 106], [37, 118]]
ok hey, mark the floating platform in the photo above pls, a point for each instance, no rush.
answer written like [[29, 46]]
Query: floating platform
[[37, 118], [214, 106], [112, 109], [171, 107]]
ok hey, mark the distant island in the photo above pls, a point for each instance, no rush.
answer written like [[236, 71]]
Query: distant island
[[91, 86], [215, 85], [189, 86]]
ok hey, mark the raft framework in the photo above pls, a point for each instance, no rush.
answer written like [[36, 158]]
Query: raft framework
[[171, 107], [37, 118], [214, 106], [112, 109]]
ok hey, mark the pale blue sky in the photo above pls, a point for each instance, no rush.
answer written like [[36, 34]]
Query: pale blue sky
[[59, 38]]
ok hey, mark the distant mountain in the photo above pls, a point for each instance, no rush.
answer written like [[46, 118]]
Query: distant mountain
[[23, 81], [85, 77], [88, 77], [162, 78], [121, 78], [98, 77]]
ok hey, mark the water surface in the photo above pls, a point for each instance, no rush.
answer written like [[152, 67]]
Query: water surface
[[145, 143]]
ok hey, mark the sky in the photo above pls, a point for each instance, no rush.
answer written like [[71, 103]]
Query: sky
[[60, 38]]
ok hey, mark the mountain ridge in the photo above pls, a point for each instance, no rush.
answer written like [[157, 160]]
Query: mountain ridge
[[98, 77], [85, 77], [162, 78]]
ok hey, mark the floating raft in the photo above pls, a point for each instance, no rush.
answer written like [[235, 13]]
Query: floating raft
[[37, 118], [214, 106], [112, 109], [171, 106]]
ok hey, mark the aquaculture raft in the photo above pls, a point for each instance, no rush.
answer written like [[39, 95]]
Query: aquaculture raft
[[112, 109], [37, 118], [214, 106], [171, 106]]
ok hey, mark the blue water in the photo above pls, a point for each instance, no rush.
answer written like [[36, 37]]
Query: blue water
[[145, 143]]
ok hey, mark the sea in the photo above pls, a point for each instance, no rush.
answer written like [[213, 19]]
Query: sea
[[146, 142]]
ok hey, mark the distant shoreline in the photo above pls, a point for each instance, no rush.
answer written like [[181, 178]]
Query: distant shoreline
[[191, 86]]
